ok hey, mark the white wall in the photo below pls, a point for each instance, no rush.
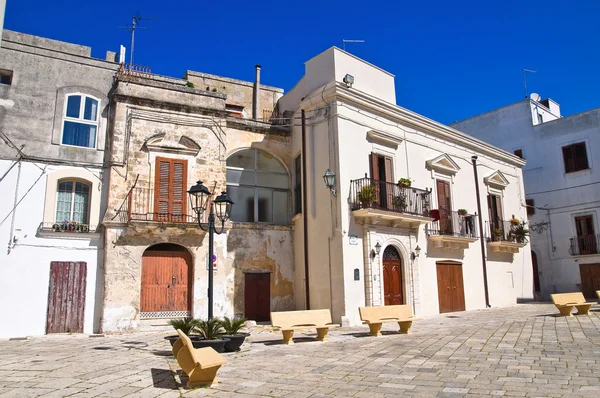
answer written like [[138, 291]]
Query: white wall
[[25, 271], [564, 195]]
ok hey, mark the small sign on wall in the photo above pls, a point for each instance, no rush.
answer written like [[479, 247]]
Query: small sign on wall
[[353, 239], [214, 262], [356, 274]]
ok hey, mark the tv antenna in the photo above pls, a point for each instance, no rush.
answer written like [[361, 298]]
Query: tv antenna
[[344, 41], [135, 20], [525, 79]]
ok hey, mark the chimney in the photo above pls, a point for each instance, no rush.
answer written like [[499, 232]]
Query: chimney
[[256, 102]]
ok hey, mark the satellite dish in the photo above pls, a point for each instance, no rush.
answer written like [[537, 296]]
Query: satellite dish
[[535, 97]]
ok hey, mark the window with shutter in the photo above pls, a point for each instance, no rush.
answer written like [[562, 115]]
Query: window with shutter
[[575, 157], [170, 190], [530, 207]]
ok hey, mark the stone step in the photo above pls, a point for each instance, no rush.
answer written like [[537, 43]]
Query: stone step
[[155, 325]]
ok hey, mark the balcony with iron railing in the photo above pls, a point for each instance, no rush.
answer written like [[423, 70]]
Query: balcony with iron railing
[[505, 236], [585, 245], [141, 205], [451, 229], [67, 229], [373, 201]]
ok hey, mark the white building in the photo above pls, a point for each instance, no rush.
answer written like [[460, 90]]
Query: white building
[[53, 120], [362, 253], [562, 186]]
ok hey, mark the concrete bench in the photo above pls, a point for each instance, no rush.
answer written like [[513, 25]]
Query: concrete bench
[[288, 321], [200, 364], [566, 301], [376, 316]]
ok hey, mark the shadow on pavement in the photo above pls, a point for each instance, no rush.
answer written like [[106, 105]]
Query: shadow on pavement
[[163, 378], [163, 353]]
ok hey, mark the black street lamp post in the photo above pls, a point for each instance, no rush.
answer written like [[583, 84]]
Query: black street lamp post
[[199, 199]]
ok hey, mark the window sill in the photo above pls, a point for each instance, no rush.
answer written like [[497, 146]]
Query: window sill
[[578, 173], [46, 230]]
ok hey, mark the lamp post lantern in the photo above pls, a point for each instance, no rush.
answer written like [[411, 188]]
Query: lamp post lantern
[[199, 200]]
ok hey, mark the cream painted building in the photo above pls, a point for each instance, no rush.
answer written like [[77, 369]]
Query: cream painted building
[[363, 238]]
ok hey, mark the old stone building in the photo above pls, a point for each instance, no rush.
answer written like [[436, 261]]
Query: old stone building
[[166, 134]]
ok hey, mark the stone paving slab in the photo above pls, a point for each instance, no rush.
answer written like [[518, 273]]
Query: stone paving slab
[[522, 351]]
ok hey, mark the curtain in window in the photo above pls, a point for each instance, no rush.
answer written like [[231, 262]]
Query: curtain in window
[[63, 203], [79, 134], [80, 203]]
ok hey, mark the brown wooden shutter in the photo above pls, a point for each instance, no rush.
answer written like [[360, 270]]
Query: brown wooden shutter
[[580, 155], [443, 192], [169, 190], [389, 169], [499, 206], [374, 166], [568, 159]]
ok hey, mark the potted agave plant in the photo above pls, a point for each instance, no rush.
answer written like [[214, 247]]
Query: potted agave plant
[[212, 331], [186, 325], [367, 195], [232, 328]]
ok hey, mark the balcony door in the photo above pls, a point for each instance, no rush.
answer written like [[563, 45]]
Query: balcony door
[[382, 172], [495, 213], [170, 190], [586, 238], [445, 206]]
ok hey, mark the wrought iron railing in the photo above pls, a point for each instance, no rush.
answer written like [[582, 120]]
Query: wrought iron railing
[[140, 205], [132, 70], [369, 193], [582, 245], [497, 230], [453, 223]]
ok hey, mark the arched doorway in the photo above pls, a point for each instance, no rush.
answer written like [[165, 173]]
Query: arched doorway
[[393, 291], [166, 282], [536, 275]]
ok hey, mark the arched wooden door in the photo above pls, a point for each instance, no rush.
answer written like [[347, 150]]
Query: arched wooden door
[[166, 282], [393, 292]]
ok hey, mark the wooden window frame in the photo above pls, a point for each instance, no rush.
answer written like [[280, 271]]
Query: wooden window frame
[[530, 207], [170, 216], [572, 161]]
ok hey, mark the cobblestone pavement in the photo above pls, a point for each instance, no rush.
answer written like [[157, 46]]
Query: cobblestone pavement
[[522, 351]]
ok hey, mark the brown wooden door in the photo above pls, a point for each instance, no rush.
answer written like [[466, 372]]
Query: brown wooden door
[[445, 206], [393, 292], [66, 297], [451, 292], [166, 281], [257, 296], [170, 190], [382, 171], [586, 238], [590, 279], [536, 275], [495, 214]]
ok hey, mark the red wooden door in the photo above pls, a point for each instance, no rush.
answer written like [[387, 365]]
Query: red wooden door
[[166, 281], [257, 296], [66, 297], [393, 292], [445, 206], [590, 279], [451, 292], [170, 190]]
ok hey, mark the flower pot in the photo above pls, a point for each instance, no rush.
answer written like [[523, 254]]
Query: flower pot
[[217, 345], [235, 341], [365, 204], [172, 339]]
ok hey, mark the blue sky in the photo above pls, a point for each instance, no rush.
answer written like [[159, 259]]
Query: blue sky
[[452, 59]]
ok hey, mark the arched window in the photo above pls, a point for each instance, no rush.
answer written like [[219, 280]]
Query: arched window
[[72, 201], [259, 185], [80, 122]]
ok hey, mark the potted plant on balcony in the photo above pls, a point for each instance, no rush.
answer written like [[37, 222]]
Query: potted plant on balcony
[[212, 331], [367, 195], [232, 328], [518, 232], [462, 212], [404, 182], [400, 202], [497, 234]]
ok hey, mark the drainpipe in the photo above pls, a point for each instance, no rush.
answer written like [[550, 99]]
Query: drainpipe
[[483, 262], [256, 102], [305, 210]]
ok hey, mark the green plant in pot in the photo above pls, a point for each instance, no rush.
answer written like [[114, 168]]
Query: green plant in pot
[[186, 325], [498, 234], [232, 328], [404, 182], [400, 202], [462, 212], [367, 195], [519, 233], [212, 331]]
